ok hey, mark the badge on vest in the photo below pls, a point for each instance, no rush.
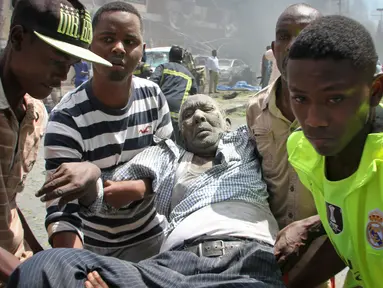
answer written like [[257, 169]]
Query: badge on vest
[[374, 229], [334, 217]]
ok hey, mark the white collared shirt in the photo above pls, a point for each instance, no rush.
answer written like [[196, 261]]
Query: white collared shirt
[[212, 63]]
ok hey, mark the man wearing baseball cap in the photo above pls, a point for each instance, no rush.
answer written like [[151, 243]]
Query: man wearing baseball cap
[[45, 39]]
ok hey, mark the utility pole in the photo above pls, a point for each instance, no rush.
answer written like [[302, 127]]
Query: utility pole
[[379, 30], [347, 6], [5, 13], [340, 6], [380, 10], [339, 3]]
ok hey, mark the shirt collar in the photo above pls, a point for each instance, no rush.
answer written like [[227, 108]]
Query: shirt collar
[[271, 103], [29, 104], [271, 94], [229, 148]]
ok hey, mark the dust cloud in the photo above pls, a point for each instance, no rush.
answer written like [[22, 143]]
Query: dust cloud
[[237, 28]]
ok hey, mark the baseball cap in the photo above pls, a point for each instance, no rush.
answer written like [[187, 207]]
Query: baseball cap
[[64, 24]]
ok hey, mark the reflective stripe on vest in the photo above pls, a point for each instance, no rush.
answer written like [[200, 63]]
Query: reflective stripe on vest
[[189, 80]]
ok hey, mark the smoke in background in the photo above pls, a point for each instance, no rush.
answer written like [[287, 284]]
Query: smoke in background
[[260, 30], [366, 12], [265, 14], [236, 28]]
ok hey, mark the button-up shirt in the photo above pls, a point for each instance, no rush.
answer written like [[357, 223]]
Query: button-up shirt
[[19, 144], [235, 175], [289, 199], [212, 63]]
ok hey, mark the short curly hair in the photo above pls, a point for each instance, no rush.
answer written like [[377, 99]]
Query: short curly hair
[[176, 53], [339, 38], [117, 6]]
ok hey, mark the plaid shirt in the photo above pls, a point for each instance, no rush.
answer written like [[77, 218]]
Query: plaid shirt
[[235, 175], [19, 143]]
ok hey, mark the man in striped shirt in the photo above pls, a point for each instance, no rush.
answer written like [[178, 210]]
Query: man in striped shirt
[[106, 121]]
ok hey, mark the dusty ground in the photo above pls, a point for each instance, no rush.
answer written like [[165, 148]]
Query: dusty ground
[[31, 206], [35, 212]]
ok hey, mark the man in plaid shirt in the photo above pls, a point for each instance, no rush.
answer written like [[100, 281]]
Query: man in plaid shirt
[[214, 198]]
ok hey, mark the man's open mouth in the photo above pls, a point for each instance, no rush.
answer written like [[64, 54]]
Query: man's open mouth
[[118, 63], [51, 86]]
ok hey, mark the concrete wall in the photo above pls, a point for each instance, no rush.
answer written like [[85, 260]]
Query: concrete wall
[[5, 19]]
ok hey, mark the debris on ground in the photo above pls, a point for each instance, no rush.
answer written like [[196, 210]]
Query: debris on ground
[[239, 86], [230, 96]]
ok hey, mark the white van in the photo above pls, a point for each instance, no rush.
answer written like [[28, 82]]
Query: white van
[[157, 56]]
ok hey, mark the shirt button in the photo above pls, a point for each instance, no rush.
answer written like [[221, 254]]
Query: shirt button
[[291, 216], [292, 188]]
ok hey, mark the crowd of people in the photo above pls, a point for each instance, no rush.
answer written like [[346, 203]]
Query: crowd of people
[[147, 184]]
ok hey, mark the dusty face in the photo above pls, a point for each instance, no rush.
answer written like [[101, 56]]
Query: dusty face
[[202, 124], [118, 38], [288, 27], [331, 100], [37, 66]]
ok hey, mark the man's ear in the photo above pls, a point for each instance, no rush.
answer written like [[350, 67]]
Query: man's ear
[[377, 90], [272, 46], [17, 36], [227, 124]]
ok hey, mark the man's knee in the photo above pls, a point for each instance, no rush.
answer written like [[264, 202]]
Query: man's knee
[[51, 263]]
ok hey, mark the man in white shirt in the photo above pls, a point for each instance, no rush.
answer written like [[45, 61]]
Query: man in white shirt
[[212, 66]]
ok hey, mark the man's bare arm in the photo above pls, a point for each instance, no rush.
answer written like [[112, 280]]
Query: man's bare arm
[[28, 234], [294, 240], [324, 265], [120, 194], [66, 240]]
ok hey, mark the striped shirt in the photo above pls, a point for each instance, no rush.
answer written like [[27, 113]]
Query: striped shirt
[[81, 128], [19, 143]]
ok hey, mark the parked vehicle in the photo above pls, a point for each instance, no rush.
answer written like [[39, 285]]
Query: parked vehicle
[[157, 56], [233, 70], [160, 55], [200, 60]]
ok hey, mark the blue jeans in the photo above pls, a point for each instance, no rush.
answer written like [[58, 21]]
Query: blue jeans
[[253, 265]]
